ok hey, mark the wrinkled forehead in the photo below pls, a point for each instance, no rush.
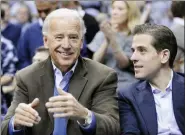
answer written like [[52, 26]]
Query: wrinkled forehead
[[58, 23]]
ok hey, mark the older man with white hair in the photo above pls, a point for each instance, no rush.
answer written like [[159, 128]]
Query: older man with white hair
[[65, 94]]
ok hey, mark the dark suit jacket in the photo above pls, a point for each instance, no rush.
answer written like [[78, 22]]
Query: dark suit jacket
[[138, 112], [92, 84]]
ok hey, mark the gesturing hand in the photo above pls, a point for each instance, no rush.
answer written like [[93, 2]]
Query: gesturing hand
[[26, 115], [65, 105]]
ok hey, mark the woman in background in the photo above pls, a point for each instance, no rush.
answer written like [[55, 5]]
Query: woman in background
[[112, 45]]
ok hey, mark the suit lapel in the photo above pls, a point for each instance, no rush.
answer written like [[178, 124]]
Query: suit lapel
[[178, 98], [47, 84], [78, 80], [146, 104], [76, 85]]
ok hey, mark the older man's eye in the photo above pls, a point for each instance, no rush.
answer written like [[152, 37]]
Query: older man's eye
[[58, 37], [73, 37]]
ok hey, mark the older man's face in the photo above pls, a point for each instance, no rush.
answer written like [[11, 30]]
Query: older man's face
[[64, 41]]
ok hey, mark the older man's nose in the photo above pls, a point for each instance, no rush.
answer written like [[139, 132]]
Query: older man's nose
[[66, 43]]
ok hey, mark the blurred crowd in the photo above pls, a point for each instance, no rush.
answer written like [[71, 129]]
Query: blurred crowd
[[107, 40]]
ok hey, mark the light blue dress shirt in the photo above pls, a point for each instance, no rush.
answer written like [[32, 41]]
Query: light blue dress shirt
[[166, 121]]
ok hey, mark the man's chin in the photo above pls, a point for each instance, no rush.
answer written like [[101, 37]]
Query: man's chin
[[140, 77]]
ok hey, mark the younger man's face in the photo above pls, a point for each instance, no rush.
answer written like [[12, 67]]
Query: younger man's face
[[147, 61]]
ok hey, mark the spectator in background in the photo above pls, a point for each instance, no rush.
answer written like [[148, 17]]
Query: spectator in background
[[9, 30], [158, 12], [30, 4], [41, 54], [112, 45], [101, 17], [8, 68], [23, 14], [32, 37], [178, 11], [155, 104], [92, 7], [90, 23]]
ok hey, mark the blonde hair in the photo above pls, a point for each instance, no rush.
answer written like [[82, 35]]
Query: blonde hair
[[133, 14]]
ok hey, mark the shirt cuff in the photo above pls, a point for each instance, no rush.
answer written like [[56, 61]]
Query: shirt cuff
[[90, 128], [11, 129]]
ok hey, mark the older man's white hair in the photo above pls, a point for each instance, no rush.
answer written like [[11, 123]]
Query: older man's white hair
[[63, 13]]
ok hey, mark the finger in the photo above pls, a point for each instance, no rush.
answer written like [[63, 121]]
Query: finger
[[24, 118], [63, 115], [59, 110], [35, 103], [29, 109], [61, 92], [38, 120], [25, 113], [59, 98], [59, 104], [55, 104], [23, 123]]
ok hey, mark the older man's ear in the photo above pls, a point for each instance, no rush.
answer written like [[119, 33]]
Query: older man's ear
[[45, 39]]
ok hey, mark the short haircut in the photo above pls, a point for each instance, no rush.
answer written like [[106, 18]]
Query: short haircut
[[163, 38], [63, 13], [178, 8]]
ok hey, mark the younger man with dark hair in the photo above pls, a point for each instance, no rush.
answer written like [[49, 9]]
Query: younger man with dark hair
[[155, 104]]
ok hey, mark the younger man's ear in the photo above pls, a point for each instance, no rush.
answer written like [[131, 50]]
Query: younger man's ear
[[165, 55]]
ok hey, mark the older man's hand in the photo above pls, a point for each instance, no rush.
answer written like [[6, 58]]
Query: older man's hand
[[26, 115], [65, 105]]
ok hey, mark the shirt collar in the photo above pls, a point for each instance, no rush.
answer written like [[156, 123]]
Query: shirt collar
[[168, 88], [72, 69], [179, 21]]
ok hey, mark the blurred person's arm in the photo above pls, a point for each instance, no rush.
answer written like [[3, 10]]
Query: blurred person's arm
[[5, 79], [8, 61], [145, 14], [121, 58], [11, 87], [100, 53], [98, 46]]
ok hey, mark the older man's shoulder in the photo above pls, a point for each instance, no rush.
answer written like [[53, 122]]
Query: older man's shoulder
[[34, 68]]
